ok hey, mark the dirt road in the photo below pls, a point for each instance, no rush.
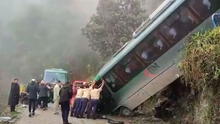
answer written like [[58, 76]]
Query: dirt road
[[47, 117]]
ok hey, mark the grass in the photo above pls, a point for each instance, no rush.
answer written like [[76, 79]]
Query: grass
[[201, 70], [13, 115]]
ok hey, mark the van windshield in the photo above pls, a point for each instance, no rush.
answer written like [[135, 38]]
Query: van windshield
[[216, 19], [51, 77]]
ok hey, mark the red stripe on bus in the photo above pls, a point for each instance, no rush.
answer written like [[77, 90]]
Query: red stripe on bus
[[149, 74]]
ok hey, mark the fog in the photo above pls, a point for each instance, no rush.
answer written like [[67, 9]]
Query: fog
[[40, 34]]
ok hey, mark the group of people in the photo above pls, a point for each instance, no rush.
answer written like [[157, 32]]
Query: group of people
[[86, 100], [38, 95], [81, 100]]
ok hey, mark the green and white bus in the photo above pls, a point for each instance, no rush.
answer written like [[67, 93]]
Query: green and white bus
[[148, 62], [54, 75]]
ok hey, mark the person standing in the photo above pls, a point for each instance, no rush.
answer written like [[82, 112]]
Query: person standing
[[43, 95], [23, 94], [65, 96], [14, 95], [77, 104], [32, 90], [56, 97], [72, 101], [85, 98], [50, 94], [95, 95]]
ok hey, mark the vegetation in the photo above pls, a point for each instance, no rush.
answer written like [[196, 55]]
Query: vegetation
[[113, 25], [201, 70], [201, 65]]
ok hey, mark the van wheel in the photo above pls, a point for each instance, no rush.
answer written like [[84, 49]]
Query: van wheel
[[124, 111]]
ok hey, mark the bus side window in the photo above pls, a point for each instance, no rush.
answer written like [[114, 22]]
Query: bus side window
[[152, 47], [129, 67], [179, 25], [201, 8], [113, 81]]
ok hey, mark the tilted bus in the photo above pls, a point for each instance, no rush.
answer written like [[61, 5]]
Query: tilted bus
[[148, 62]]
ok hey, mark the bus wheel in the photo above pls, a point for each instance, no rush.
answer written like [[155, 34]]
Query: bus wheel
[[124, 111]]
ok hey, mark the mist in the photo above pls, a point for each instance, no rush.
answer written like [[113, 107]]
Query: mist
[[40, 34]]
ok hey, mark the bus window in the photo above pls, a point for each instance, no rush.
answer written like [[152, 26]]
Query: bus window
[[129, 67], [151, 49], [113, 81], [202, 8], [179, 25]]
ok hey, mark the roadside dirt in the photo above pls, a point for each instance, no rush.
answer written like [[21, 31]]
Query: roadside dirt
[[47, 117]]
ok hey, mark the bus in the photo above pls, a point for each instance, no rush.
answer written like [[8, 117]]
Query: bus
[[54, 75], [149, 62]]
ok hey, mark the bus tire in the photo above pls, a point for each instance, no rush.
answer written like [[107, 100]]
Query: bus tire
[[124, 111]]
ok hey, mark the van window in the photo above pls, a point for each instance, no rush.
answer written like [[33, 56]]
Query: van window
[[51, 77], [216, 19]]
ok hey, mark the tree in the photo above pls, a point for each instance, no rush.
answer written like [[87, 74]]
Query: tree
[[113, 25]]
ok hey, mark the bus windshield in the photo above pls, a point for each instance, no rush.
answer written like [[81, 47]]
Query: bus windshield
[[51, 77]]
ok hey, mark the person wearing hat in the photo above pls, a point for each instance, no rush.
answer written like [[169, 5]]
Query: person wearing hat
[[32, 90]]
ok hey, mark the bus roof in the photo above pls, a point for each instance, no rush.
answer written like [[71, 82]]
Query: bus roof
[[56, 70], [134, 42]]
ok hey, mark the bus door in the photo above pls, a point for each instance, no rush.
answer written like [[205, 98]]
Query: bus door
[[216, 19]]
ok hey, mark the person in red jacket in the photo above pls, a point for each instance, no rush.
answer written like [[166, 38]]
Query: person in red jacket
[[72, 101]]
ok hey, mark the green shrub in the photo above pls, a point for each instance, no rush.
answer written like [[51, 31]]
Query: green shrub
[[201, 64], [201, 70]]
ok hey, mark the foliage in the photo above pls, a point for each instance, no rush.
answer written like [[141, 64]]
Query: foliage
[[201, 66], [201, 70], [113, 25]]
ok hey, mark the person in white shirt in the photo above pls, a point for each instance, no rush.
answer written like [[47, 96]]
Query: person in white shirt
[[77, 104], [56, 97], [95, 95], [85, 99]]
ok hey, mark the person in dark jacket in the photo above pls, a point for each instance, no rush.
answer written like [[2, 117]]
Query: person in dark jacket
[[65, 96], [43, 94], [32, 90], [14, 95]]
